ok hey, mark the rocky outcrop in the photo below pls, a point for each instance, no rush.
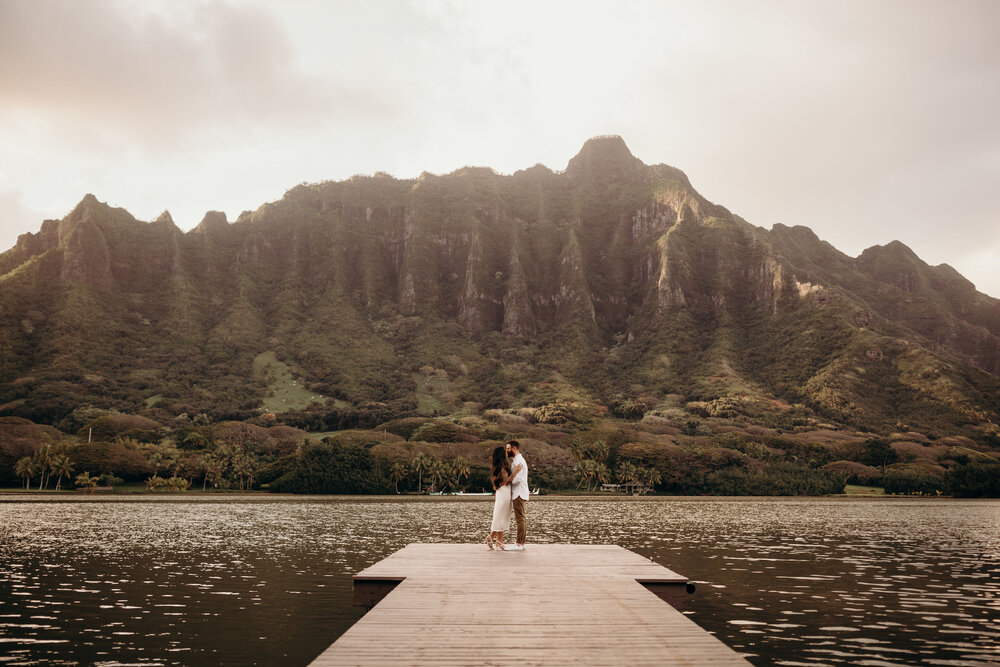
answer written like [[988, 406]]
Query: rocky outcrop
[[475, 304], [214, 223], [45, 239], [86, 254], [608, 254], [669, 293], [444, 246], [518, 319], [573, 296], [604, 159]]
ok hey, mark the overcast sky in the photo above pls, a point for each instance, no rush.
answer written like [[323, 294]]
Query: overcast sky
[[866, 120]]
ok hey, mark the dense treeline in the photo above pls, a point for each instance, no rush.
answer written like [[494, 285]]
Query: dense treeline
[[329, 467], [568, 450], [974, 480], [781, 479]]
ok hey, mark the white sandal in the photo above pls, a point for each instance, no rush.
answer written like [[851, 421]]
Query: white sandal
[[489, 542]]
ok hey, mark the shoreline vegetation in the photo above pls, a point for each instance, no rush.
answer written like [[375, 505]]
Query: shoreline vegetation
[[379, 335], [140, 490], [12, 494], [121, 455]]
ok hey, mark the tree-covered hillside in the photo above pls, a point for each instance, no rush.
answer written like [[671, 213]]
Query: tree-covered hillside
[[609, 291]]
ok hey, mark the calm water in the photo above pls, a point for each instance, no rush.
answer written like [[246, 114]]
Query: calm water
[[268, 581]]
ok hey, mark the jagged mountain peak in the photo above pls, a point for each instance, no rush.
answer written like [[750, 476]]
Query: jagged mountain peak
[[616, 274], [947, 271], [89, 205], [602, 156], [538, 169], [213, 220], [895, 249], [893, 263], [91, 210], [607, 145], [797, 230]]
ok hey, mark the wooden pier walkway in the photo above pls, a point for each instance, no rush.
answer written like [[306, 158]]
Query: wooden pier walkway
[[551, 604]]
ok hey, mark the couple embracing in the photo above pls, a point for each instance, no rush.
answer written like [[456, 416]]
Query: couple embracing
[[509, 475]]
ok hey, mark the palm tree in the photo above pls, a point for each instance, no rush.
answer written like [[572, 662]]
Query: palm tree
[[172, 461], [601, 474], [206, 464], [25, 469], [599, 451], [449, 478], [433, 469], [398, 473], [626, 472], [85, 480], [437, 473], [420, 464], [213, 473], [244, 468], [650, 477], [461, 469], [176, 483], [441, 474], [36, 467], [156, 460], [585, 469], [61, 466], [41, 459], [580, 469]]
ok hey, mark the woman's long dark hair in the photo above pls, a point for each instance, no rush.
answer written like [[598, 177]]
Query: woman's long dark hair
[[500, 462]]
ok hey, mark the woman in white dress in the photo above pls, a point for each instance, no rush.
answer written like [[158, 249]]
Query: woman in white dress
[[501, 476]]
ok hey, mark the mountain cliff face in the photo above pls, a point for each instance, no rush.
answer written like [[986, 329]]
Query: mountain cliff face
[[612, 280]]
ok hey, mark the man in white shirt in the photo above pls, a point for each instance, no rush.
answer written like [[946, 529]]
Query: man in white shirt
[[519, 492]]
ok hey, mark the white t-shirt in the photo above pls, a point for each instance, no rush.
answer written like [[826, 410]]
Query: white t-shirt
[[519, 487]]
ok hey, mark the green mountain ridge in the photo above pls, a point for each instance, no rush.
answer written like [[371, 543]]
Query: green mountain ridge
[[610, 284]]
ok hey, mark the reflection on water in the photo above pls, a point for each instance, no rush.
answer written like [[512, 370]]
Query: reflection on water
[[268, 581]]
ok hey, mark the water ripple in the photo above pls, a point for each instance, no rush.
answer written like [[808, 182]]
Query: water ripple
[[268, 581]]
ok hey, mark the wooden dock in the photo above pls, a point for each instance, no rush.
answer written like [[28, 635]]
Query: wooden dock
[[461, 604]]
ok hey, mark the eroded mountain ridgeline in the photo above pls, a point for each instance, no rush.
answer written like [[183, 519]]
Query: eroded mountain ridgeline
[[614, 278]]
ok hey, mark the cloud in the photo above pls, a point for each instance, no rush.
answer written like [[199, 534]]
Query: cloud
[[980, 267], [101, 70], [866, 121], [18, 218]]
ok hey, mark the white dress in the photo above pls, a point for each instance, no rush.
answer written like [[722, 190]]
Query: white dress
[[501, 510]]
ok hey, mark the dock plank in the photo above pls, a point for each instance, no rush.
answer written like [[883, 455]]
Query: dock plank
[[461, 604]]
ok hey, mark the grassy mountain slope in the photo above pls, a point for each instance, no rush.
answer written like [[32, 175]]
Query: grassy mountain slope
[[610, 284]]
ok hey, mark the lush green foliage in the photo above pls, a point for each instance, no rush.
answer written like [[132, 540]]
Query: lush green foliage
[[609, 315], [331, 467], [974, 480], [912, 480], [350, 304], [781, 479]]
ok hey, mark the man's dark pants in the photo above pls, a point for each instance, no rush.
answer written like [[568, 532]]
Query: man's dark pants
[[520, 505]]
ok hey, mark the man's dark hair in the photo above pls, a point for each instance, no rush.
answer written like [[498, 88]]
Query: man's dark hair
[[515, 443]]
